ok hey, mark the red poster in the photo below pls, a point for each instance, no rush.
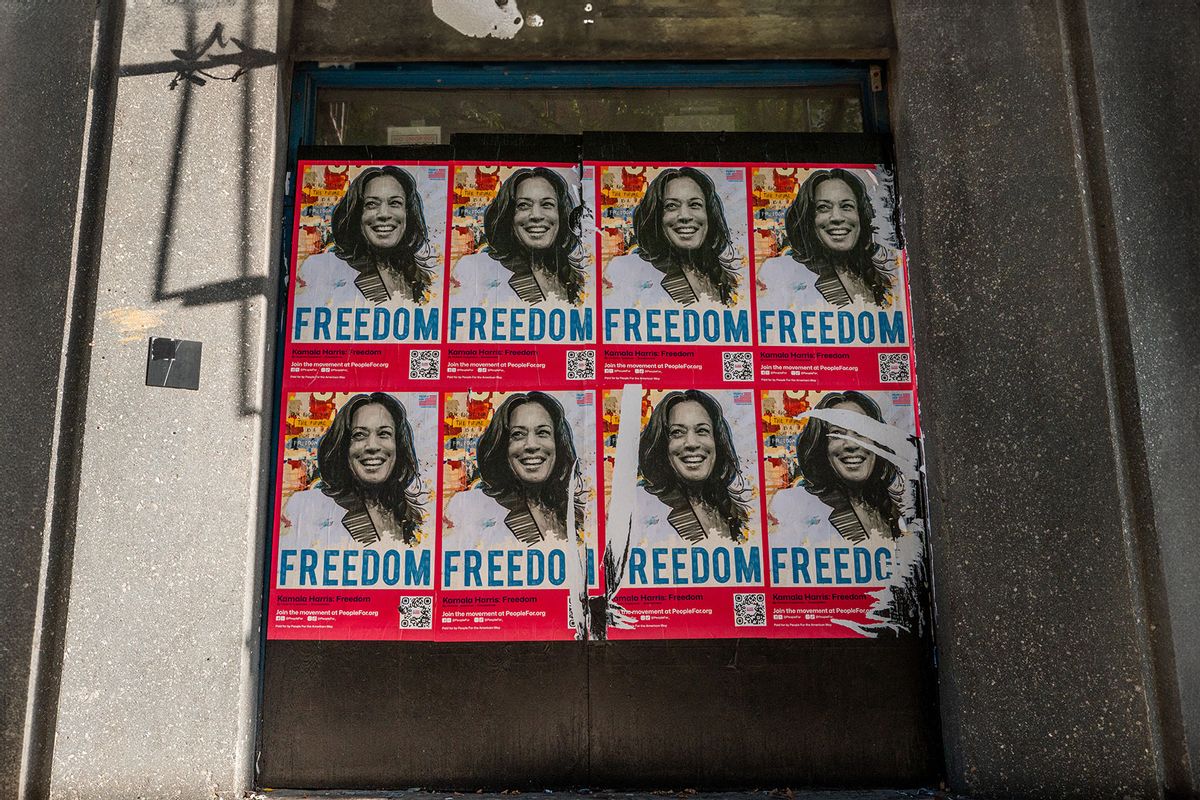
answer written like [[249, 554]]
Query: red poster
[[607, 400]]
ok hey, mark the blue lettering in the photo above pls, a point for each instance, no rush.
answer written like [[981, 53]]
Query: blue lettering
[[360, 323], [747, 565], [737, 326], [658, 563], [471, 566], [637, 565], [321, 323], [328, 568], [611, 321], [558, 567], [891, 332], [840, 565], [720, 565], [308, 567], [349, 567], [391, 568], [581, 325], [514, 578], [417, 572], [285, 565], [456, 322], [302, 313], [679, 564], [370, 567]]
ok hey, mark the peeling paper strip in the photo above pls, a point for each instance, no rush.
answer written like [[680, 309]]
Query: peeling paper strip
[[624, 489], [576, 575], [889, 437]]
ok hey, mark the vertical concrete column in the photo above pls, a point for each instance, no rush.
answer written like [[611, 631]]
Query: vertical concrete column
[[1045, 668], [44, 94], [1141, 128], [157, 690]]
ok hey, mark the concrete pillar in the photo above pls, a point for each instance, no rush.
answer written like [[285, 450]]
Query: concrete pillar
[[1049, 677], [44, 91], [158, 686], [1140, 125]]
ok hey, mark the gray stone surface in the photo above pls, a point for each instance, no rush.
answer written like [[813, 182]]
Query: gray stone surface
[[1041, 635], [602, 30], [44, 86], [158, 684], [1145, 82]]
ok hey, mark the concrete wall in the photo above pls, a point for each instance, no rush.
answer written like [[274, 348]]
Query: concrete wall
[[158, 683], [1048, 178], [1141, 129], [43, 263], [1044, 543]]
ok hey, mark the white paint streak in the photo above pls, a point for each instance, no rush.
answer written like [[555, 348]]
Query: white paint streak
[[899, 448], [480, 18]]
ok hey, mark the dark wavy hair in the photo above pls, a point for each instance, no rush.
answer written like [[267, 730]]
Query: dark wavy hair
[[497, 478], [724, 489], [814, 469], [867, 260], [713, 260], [401, 492], [565, 253], [410, 257]]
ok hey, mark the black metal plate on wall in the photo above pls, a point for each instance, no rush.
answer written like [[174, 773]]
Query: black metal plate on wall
[[674, 714], [394, 715]]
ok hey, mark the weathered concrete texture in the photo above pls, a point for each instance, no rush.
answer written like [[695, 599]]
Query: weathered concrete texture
[[44, 86], [1145, 82], [1043, 658], [603, 30], [157, 691]]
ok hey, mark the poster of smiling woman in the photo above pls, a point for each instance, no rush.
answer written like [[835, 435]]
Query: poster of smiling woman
[[682, 506], [519, 515], [844, 528], [521, 255], [829, 269], [674, 254], [355, 538], [369, 251]]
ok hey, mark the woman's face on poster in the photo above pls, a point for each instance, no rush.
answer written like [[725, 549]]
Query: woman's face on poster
[[372, 444], [685, 216], [836, 215], [851, 462], [536, 216], [691, 444], [531, 452], [384, 212]]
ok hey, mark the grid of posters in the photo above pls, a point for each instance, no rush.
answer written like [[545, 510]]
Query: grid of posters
[[602, 399]]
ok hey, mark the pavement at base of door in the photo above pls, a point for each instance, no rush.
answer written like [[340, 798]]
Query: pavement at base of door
[[685, 794]]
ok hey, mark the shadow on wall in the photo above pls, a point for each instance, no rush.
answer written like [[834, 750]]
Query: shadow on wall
[[197, 63]]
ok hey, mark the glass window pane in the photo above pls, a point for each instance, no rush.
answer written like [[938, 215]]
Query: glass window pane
[[369, 116]]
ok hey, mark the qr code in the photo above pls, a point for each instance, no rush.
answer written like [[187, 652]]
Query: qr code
[[749, 610], [581, 365], [424, 365], [737, 366], [416, 612], [894, 368]]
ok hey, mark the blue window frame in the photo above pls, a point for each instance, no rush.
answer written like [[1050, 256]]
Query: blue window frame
[[310, 78]]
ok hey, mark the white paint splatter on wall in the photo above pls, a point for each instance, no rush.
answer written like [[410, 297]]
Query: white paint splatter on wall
[[480, 18]]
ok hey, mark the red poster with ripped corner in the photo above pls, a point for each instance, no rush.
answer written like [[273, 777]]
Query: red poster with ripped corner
[[615, 400]]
